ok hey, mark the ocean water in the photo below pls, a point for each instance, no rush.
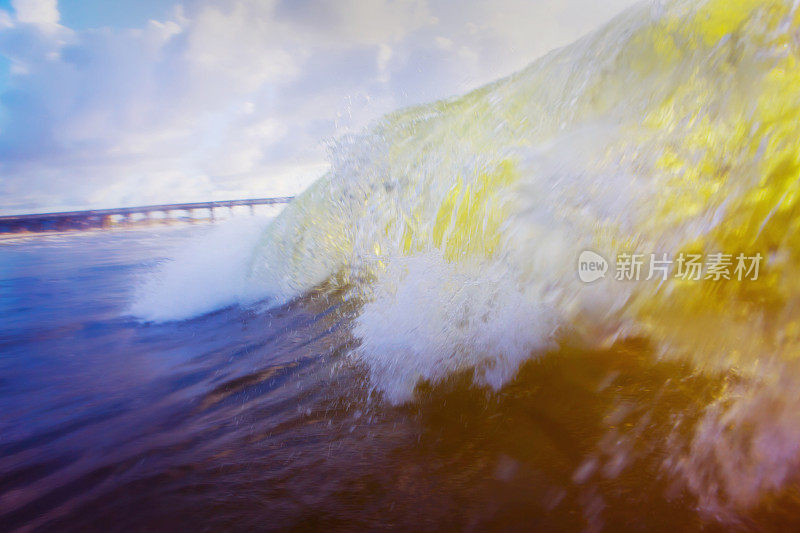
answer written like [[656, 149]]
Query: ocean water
[[251, 417], [100, 410], [411, 343]]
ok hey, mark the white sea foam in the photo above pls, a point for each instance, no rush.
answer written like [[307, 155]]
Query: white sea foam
[[208, 273], [430, 318]]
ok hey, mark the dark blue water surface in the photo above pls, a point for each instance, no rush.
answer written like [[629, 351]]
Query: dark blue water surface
[[100, 411]]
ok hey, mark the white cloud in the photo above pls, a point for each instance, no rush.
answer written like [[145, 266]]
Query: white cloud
[[40, 12], [238, 97], [355, 22]]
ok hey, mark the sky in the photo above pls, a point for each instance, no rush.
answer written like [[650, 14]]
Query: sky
[[135, 102]]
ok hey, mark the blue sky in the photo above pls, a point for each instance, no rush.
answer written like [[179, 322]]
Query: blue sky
[[85, 14], [5, 63], [111, 103]]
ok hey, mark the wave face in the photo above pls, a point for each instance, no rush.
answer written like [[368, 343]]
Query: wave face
[[457, 225]]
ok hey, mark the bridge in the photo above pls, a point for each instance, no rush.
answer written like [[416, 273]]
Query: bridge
[[124, 216]]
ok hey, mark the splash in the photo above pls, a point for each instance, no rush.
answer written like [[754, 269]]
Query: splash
[[207, 273], [457, 225]]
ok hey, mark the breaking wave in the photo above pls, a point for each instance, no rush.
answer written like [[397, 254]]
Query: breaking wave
[[672, 129], [456, 226]]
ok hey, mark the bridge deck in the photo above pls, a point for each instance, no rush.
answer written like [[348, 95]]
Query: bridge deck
[[76, 220], [146, 209]]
